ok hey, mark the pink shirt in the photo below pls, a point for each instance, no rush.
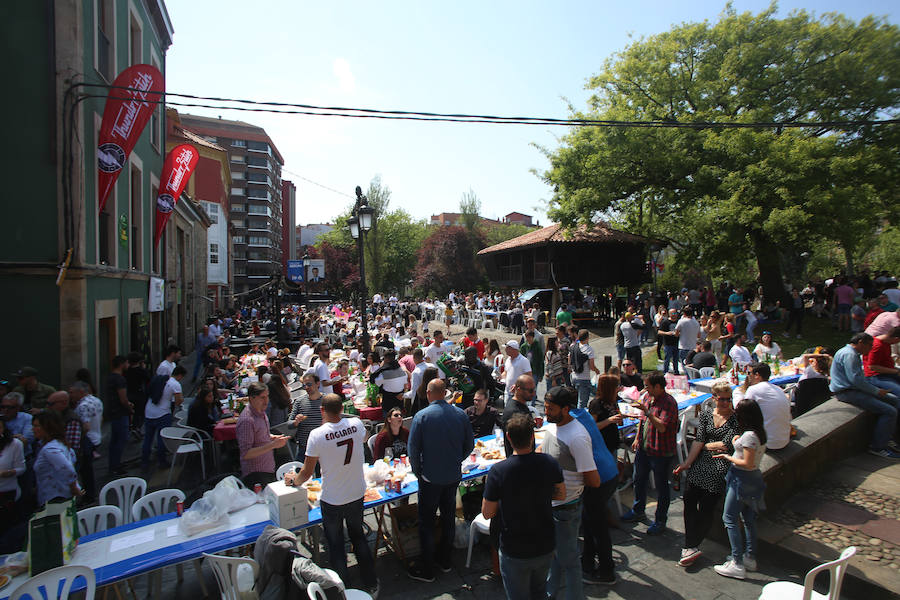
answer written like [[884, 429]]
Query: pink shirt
[[845, 294], [252, 431], [883, 323]]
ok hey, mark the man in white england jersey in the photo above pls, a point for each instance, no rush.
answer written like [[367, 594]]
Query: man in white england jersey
[[338, 446]]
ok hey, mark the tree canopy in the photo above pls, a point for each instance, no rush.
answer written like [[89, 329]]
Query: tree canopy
[[722, 194]]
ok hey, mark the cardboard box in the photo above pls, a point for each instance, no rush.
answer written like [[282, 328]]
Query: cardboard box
[[288, 506]]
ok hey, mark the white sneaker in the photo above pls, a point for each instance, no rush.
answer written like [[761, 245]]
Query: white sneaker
[[749, 563], [731, 569], [688, 556]]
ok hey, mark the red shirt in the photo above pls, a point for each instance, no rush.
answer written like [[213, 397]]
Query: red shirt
[[880, 355], [252, 431], [871, 316], [654, 441], [479, 345]]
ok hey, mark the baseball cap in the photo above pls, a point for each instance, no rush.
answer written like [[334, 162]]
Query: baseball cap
[[512, 344], [561, 396], [26, 372]]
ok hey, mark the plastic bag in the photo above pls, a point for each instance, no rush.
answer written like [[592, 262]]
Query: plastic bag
[[377, 474], [212, 509]]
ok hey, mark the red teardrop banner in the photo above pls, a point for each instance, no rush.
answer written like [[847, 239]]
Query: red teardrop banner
[[124, 118], [177, 169]]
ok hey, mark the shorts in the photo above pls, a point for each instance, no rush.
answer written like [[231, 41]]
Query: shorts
[[620, 351], [844, 309]]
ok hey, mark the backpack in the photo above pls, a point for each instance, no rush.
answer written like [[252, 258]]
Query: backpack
[[156, 386], [577, 358], [607, 466]]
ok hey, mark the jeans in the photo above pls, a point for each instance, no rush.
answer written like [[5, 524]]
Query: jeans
[[750, 327], [585, 389], [698, 514], [333, 519], [597, 542], [566, 564], [682, 354], [432, 498], [525, 578], [117, 439], [885, 408], [734, 512], [671, 355], [152, 432], [886, 382], [660, 467]]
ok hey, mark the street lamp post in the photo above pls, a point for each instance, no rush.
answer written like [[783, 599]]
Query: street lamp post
[[306, 262], [360, 222]]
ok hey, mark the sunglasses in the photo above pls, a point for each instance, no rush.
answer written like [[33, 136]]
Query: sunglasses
[[767, 333], [627, 364], [724, 398], [309, 384]]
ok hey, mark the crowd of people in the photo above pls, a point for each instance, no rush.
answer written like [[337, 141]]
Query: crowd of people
[[540, 503]]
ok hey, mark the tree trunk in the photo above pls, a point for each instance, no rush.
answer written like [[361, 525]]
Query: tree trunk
[[769, 263], [848, 254]]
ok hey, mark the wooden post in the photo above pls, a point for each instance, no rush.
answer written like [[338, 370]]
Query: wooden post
[[607, 363]]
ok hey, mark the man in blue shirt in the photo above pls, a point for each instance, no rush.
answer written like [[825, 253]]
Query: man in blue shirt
[[17, 421], [849, 384], [440, 437]]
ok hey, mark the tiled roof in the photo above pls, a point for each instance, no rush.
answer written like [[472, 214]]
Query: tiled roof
[[556, 234]]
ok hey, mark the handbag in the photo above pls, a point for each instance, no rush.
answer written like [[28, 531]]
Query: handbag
[[52, 536]]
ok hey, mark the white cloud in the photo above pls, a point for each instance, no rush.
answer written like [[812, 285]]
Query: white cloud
[[341, 69]]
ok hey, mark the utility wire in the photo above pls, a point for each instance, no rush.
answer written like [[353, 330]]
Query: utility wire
[[351, 112], [321, 185]]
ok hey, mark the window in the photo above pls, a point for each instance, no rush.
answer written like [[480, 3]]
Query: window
[[256, 209], [237, 191], [210, 138], [238, 223], [238, 239], [237, 158], [258, 161], [212, 210], [137, 211], [213, 254], [258, 146], [257, 240], [137, 39], [257, 177], [237, 174], [239, 143], [238, 208], [105, 39]]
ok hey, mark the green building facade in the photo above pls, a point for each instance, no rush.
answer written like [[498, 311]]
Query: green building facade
[[59, 322]]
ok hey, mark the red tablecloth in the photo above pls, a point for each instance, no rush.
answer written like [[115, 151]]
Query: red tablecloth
[[223, 432], [373, 413]]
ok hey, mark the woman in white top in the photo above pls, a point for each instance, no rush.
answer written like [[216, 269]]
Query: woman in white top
[[744, 494], [12, 466], [766, 348]]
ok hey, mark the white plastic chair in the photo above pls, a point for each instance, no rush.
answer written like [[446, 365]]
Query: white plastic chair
[[707, 372], [479, 525], [371, 443], [156, 503], [127, 491], [787, 590], [288, 466], [46, 584], [97, 518], [315, 591], [681, 445], [181, 441], [230, 577]]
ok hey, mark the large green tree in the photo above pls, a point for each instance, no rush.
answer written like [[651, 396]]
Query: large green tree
[[720, 195]]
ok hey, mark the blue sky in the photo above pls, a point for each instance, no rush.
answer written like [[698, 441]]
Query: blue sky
[[491, 57]]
